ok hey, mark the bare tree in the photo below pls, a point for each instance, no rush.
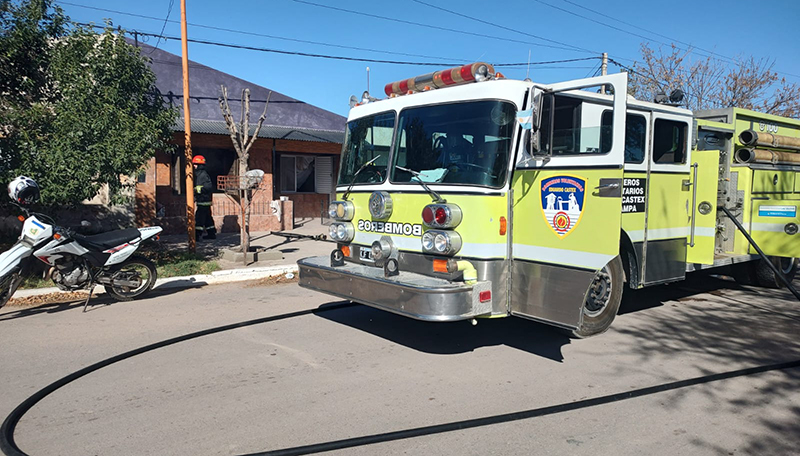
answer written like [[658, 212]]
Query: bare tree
[[242, 142], [710, 83]]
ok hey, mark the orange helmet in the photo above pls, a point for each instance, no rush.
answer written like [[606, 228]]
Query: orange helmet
[[199, 160]]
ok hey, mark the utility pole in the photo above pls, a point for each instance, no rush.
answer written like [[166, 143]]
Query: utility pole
[[604, 70], [187, 128]]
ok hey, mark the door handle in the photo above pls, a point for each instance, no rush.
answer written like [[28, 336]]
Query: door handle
[[604, 186], [694, 203], [609, 188]]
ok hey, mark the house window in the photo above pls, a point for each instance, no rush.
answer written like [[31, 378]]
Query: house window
[[219, 162], [305, 174], [177, 172]]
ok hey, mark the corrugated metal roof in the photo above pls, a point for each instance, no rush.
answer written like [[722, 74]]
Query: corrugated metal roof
[[267, 131]]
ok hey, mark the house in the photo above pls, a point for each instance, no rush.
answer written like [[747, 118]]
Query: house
[[298, 149]]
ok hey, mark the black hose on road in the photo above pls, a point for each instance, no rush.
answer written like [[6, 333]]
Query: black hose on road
[[10, 448]]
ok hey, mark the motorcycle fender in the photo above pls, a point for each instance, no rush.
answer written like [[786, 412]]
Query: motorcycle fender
[[149, 231], [121, 255], [12, 257]]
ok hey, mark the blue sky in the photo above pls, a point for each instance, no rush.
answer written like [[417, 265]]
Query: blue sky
[[550, 30]]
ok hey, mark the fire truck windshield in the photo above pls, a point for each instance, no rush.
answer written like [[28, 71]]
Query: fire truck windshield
[[367, 138], [459, 143]]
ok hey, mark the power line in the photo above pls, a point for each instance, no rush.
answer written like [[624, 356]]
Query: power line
[[164, 26], [333, 57], [436, 27], [262, 35], [689, 47], [641, 28], [501, 26]]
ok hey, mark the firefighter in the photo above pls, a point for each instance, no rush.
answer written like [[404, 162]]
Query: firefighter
[[202, 196]]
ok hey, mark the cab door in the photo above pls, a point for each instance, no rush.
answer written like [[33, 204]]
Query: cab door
[[566, 199], [669, 199]]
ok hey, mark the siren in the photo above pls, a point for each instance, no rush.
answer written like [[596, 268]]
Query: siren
[[473, 72]]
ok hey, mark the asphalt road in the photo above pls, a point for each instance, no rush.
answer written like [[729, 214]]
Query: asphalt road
[[358, 381]]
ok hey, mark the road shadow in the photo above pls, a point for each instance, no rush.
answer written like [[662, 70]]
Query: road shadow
[[452, 337], [97, 302], [720, 325], [695, 284]]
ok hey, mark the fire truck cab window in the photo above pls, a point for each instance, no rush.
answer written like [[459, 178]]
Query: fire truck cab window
[[669, 141], [635, 136], [460, 143], [367, 138], [570, 126]]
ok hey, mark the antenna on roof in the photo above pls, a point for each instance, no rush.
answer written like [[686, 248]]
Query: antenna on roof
[[367, 79], [528, 71]]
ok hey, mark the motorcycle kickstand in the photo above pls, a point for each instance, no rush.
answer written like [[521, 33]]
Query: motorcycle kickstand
[[86, 303]]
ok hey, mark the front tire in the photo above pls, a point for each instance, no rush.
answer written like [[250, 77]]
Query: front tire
[[602, 300], [135, 269], [9, 285]]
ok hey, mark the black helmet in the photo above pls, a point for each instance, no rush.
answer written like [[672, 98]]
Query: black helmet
[[24, 191]]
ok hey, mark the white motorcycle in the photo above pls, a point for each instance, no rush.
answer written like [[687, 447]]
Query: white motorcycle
[[76, 262]]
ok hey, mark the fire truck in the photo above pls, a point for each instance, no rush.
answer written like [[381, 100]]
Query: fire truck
[[466, 195]]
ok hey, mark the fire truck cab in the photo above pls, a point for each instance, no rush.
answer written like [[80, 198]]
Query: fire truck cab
[[466, 195]]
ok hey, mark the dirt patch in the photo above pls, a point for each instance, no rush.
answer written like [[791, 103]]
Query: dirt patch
[[49, 298], [274, 280]]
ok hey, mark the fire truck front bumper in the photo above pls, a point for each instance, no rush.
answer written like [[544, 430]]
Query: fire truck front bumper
[[409, 294]]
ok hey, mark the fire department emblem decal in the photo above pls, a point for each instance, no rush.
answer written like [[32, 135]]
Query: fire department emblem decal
[[562, 202]]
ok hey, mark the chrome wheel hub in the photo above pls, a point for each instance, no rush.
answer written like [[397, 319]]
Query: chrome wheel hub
[[599, 293]]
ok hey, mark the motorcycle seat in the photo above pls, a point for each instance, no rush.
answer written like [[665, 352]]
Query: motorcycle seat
[[105, 241]]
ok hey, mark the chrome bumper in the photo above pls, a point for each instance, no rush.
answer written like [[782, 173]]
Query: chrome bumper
[[409, 294]]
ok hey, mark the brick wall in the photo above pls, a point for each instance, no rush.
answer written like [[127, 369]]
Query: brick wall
[[158, 203]]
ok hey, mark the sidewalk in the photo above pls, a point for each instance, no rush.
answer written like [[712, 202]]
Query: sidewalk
[[264, 241], [291, 250]]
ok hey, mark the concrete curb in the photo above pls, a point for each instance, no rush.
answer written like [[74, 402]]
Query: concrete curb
[[216, 277]]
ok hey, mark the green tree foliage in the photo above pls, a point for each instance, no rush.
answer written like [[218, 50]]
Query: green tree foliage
[[79, 109], [710, 83]]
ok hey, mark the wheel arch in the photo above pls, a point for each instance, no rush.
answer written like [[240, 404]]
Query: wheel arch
[[630, 261]]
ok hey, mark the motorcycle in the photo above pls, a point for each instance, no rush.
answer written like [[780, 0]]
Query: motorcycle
[[78, 262]]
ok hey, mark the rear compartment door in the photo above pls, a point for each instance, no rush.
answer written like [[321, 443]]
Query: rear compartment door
[[566, 208]]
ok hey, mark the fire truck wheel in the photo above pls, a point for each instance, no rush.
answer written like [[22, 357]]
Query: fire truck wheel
[[767, 278], [602, 300]]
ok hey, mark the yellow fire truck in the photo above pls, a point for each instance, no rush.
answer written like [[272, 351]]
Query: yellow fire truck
[[467, 195]]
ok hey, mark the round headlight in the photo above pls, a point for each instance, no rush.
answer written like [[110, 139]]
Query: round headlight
[[441, 242], [427, 241], [332, 232], [332, 210], [341, 232]]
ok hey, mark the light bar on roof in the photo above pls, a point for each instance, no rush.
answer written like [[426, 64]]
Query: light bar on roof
[[473, 72]]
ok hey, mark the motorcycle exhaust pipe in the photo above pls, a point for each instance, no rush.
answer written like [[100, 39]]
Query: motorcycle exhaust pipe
[[120, 282]]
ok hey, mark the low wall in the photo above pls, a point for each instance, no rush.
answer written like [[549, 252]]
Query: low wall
[[264, 216], [100, 218]]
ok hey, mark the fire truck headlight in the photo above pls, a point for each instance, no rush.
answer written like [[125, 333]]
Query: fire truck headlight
[[342, 231], [342, 210], [427, 241], [441, 242]]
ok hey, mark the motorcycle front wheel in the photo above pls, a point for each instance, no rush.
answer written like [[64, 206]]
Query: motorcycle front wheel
[[139, 275], [8, 285]]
